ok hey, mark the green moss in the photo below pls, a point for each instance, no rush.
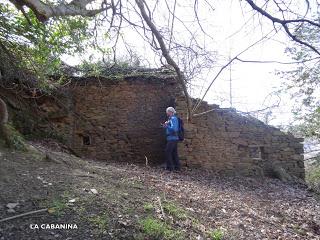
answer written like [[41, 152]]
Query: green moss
[[12, 138]]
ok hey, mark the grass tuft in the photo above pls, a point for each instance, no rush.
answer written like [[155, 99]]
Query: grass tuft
[[148, 207], [58, 207], [216, 234], [155, 229], [174, 210], [101, 221]]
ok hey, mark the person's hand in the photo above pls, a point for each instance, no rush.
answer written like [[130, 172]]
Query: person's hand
[[164, 124]]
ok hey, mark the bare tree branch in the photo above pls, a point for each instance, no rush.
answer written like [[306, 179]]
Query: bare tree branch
[[284, 23], [180, 76], [285, 63], [224, 67], [45, 11]]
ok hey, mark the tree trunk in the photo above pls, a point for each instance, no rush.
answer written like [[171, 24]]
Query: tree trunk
[[165, 53], [3, 112], [4, 134]]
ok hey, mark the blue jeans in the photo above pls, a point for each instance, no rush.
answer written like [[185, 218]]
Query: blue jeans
[[172, 159]]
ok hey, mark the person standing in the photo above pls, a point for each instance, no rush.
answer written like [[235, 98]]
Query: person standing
[[171, 150]]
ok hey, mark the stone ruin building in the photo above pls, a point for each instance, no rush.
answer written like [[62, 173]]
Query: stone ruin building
[[117, 118]]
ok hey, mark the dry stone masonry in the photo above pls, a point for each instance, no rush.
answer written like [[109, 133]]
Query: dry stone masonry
[[227, 142], [117, 118]]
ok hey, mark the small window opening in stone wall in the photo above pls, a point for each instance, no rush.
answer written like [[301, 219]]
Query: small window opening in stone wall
[[256, 152], [86, 140]]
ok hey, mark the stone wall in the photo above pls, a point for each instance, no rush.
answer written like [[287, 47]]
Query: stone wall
[[118, 119], [228, 142]]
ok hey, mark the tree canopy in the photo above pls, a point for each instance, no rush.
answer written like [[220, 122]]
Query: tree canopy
[[303, 82]]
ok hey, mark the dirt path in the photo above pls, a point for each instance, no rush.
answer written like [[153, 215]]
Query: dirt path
[[115, 201]]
